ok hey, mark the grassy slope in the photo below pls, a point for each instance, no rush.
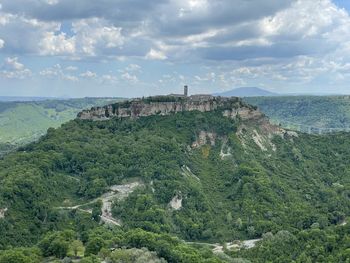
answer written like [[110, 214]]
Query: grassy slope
[[23, 122]]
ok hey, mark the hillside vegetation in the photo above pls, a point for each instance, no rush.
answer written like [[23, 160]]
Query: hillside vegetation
[[306, 111], [24, 122], [204, 179]]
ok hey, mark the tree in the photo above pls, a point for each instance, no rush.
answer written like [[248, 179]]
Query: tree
[[12, 256], [94, 245], [59, 247], [251, 231], [91, 259], [56, 243], [239, 223], [20, 255], [77, 246], [96, 211], [229, 217]]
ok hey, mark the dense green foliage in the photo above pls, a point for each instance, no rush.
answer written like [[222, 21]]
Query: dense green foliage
[[23, 122], [314, 111], [314, 245], [302, 187]]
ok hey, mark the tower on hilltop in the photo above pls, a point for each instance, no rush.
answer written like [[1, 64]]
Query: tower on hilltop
[[185, 90]]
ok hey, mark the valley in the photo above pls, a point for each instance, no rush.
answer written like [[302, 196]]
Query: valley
[[308, 114], [22, 122]]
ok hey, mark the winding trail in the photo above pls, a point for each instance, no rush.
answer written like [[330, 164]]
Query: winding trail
[[117, 192], [237, 244]]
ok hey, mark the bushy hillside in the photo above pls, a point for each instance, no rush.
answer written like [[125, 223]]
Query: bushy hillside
[[308, 111], [201, 177], [23, 122]]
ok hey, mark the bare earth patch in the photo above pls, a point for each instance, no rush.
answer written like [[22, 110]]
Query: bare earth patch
[[246, 244], [2, 212], [117, 192], [176, 202]]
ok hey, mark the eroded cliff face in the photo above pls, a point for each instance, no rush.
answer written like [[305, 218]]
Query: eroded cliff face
[[165, 105]]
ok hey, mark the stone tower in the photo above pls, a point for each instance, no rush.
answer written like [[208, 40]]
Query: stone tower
[[186, 90]]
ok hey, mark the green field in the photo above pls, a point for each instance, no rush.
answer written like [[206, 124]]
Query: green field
[[24, 122]]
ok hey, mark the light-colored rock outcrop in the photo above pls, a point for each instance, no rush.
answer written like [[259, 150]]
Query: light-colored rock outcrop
[[245, 113], [165, 105], [186, 171], [176, 202], [2, 212], [203, 138]]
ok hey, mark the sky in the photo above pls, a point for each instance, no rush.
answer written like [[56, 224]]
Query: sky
[[133, 48]]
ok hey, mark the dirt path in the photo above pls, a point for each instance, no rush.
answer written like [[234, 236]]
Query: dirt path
[[219, 248], [344, 223], [117, 192], [247, 244]]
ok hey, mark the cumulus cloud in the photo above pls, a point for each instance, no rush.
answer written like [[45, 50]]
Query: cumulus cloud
[[91, 37], [96, 36], [156, 54], [294, 40], [57, 72], [129, 77], [56, 44], [100, 27], [13, 69], [175, 29], [71, 68], [23, 35], [133, 67], [88, 74]]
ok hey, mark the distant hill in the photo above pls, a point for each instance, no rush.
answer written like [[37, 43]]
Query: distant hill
[[247, 92], [21, 98], [23, 121], [302, 112]]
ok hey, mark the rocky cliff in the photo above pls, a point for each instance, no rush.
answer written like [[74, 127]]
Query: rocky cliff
[[165, 105]]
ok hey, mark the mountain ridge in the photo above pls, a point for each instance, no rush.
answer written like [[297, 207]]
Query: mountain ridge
[[247, 92]]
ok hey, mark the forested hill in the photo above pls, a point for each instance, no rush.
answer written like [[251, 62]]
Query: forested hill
[[22, 122], [187, 187], [297, 112]]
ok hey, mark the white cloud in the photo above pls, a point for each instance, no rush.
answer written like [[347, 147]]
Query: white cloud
[[12, 64], [298, 41], [71, 68], [51, 2], [70, 78], [95, 36], [92, 37], [13, 69], [133, 67], [129, 77], [88, 74], [52, 44], [156, 55], [109, 79], [24, 35], [57, 72]]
